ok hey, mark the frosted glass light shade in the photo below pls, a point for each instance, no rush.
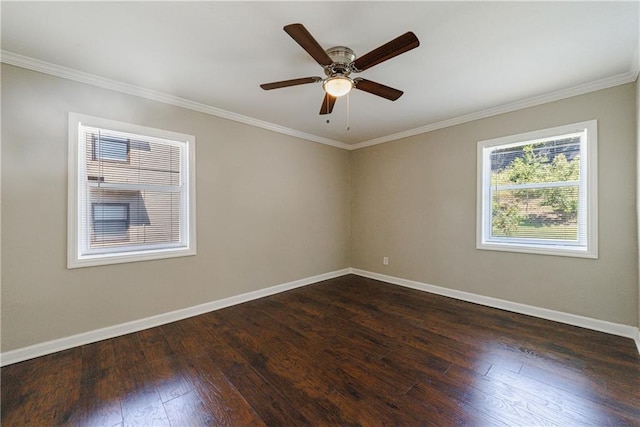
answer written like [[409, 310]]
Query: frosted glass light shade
[[337, 86]]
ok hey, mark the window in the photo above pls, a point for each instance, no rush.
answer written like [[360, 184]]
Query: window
[[537, 192], [110, 148], [110, 221], [131, 193]]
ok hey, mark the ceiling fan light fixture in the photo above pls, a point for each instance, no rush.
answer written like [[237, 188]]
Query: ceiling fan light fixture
[[337, 86]]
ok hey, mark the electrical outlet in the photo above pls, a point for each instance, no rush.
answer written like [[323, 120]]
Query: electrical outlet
[[385, 260]]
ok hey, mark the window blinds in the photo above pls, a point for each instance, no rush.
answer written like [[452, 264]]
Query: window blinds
[[132, 193], [537, 190]]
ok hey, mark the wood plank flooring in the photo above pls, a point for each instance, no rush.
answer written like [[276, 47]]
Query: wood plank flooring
[[347, 351]]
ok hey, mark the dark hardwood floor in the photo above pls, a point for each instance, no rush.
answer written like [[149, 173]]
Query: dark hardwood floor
[[347, 351]]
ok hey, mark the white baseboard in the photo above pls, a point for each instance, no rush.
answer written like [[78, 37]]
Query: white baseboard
[[48, 347], [543, 313]]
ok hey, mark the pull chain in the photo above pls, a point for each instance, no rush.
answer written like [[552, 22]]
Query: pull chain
[[348, 110]]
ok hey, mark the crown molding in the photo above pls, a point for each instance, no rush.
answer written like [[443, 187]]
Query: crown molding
[[33, 64], [582, 89]]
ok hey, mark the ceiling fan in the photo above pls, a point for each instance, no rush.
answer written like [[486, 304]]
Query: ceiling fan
[[340, 61]]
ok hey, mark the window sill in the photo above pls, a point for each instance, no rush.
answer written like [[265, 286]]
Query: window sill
[[569, 251], [119, 258]]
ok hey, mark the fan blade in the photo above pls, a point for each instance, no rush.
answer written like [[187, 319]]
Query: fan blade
[[327, 104], [378, 89], [292, 82], [300, 34], [395, 47]]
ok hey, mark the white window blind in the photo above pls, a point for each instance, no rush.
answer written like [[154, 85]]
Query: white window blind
[[133, 198]]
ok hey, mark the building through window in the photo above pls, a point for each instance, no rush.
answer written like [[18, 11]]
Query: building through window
[[110, 148], [133, 193]]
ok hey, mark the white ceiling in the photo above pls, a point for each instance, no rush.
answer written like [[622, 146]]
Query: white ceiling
[[473, 56]]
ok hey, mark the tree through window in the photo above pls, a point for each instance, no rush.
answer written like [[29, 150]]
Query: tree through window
[[535, 193]]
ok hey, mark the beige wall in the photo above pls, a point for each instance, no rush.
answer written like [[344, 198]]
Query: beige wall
[[271, 209], [414, 200], [637, 87]]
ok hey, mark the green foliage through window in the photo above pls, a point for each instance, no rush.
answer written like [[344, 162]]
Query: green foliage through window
[[535, 190]]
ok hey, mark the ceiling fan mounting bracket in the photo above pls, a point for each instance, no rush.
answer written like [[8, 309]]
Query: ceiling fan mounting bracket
[[341, 55]]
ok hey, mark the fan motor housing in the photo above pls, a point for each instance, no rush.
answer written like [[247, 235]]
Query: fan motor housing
[[341, 56]]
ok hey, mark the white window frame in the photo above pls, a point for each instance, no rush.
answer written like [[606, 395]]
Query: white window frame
[[77, 253], [587, 194]]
